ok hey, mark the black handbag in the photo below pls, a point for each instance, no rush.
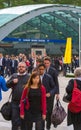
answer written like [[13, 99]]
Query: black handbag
[[6, 109], [58, 114], [67, 97]]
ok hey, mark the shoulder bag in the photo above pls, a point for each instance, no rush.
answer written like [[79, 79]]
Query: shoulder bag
[[6, 109], [58, 114]]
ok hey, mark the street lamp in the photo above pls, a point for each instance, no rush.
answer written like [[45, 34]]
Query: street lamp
[[79, 42]]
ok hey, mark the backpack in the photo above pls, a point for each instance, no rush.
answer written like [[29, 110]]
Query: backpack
[[75, 104], [6, 109]]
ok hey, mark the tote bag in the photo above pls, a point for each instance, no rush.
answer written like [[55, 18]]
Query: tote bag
[[58, 114]]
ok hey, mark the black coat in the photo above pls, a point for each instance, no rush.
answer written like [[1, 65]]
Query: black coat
[[53, 72], [17, 88], [49, 84], [73, 118]]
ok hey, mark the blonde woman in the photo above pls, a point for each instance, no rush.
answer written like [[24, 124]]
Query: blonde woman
[[35, 110]]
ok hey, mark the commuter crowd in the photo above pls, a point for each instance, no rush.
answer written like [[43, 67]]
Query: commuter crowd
[[9, 63], [34, 84]]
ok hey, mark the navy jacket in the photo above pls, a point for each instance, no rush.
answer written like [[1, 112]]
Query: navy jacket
[[49, 84], [53, 72]]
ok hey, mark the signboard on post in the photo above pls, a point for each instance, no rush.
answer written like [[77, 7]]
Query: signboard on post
[[68, 51]]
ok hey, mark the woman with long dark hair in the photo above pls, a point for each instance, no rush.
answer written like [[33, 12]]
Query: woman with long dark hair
[[35, 108]]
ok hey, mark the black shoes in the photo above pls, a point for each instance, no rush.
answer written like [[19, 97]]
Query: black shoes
[[48, 129]]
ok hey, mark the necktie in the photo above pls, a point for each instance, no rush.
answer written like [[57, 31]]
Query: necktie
[[46, 70]]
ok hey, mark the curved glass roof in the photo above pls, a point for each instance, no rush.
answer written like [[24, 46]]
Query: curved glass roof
[[9, 14], [51, 21]]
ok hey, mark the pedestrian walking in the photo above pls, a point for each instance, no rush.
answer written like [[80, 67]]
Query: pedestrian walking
[[36, 110], [50, 87], [74, 118], [53, 72], [17, 83]]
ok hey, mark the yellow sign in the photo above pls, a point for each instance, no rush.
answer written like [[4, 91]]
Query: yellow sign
[[68, 51]]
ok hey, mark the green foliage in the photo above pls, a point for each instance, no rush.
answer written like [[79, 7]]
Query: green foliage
[[1, 3], [72, 2], [9, 3]]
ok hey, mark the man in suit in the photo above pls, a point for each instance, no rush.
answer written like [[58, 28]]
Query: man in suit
[[53, 72], [2, 64], [7, 65], [13, 64], [49, 84]]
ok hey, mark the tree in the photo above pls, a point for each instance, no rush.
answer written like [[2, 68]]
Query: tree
[[9, 3]]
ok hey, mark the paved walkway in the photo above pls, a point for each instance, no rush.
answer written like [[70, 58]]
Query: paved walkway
[[6, 125]]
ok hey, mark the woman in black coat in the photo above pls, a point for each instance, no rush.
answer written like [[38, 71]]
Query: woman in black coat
[[74, 118]]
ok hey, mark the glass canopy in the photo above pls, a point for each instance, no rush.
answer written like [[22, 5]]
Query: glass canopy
[[60, 22]]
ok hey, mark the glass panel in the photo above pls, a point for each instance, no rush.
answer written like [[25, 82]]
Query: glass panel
[[4, 18], [47, 26]]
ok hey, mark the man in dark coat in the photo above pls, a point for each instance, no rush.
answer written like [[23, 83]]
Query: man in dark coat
[[2, 64], [13, 64], [54, 74], [17, 82], [49, 84]]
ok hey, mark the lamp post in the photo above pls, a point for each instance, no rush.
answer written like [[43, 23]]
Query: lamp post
[[79, 42]]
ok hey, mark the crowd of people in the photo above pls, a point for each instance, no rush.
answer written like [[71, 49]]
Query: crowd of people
[[9, 63], [34, 84]]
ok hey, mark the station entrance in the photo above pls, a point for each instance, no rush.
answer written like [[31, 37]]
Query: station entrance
[[38, 50]]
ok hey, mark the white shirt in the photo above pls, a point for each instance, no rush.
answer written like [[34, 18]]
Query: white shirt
[[1, 62]]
